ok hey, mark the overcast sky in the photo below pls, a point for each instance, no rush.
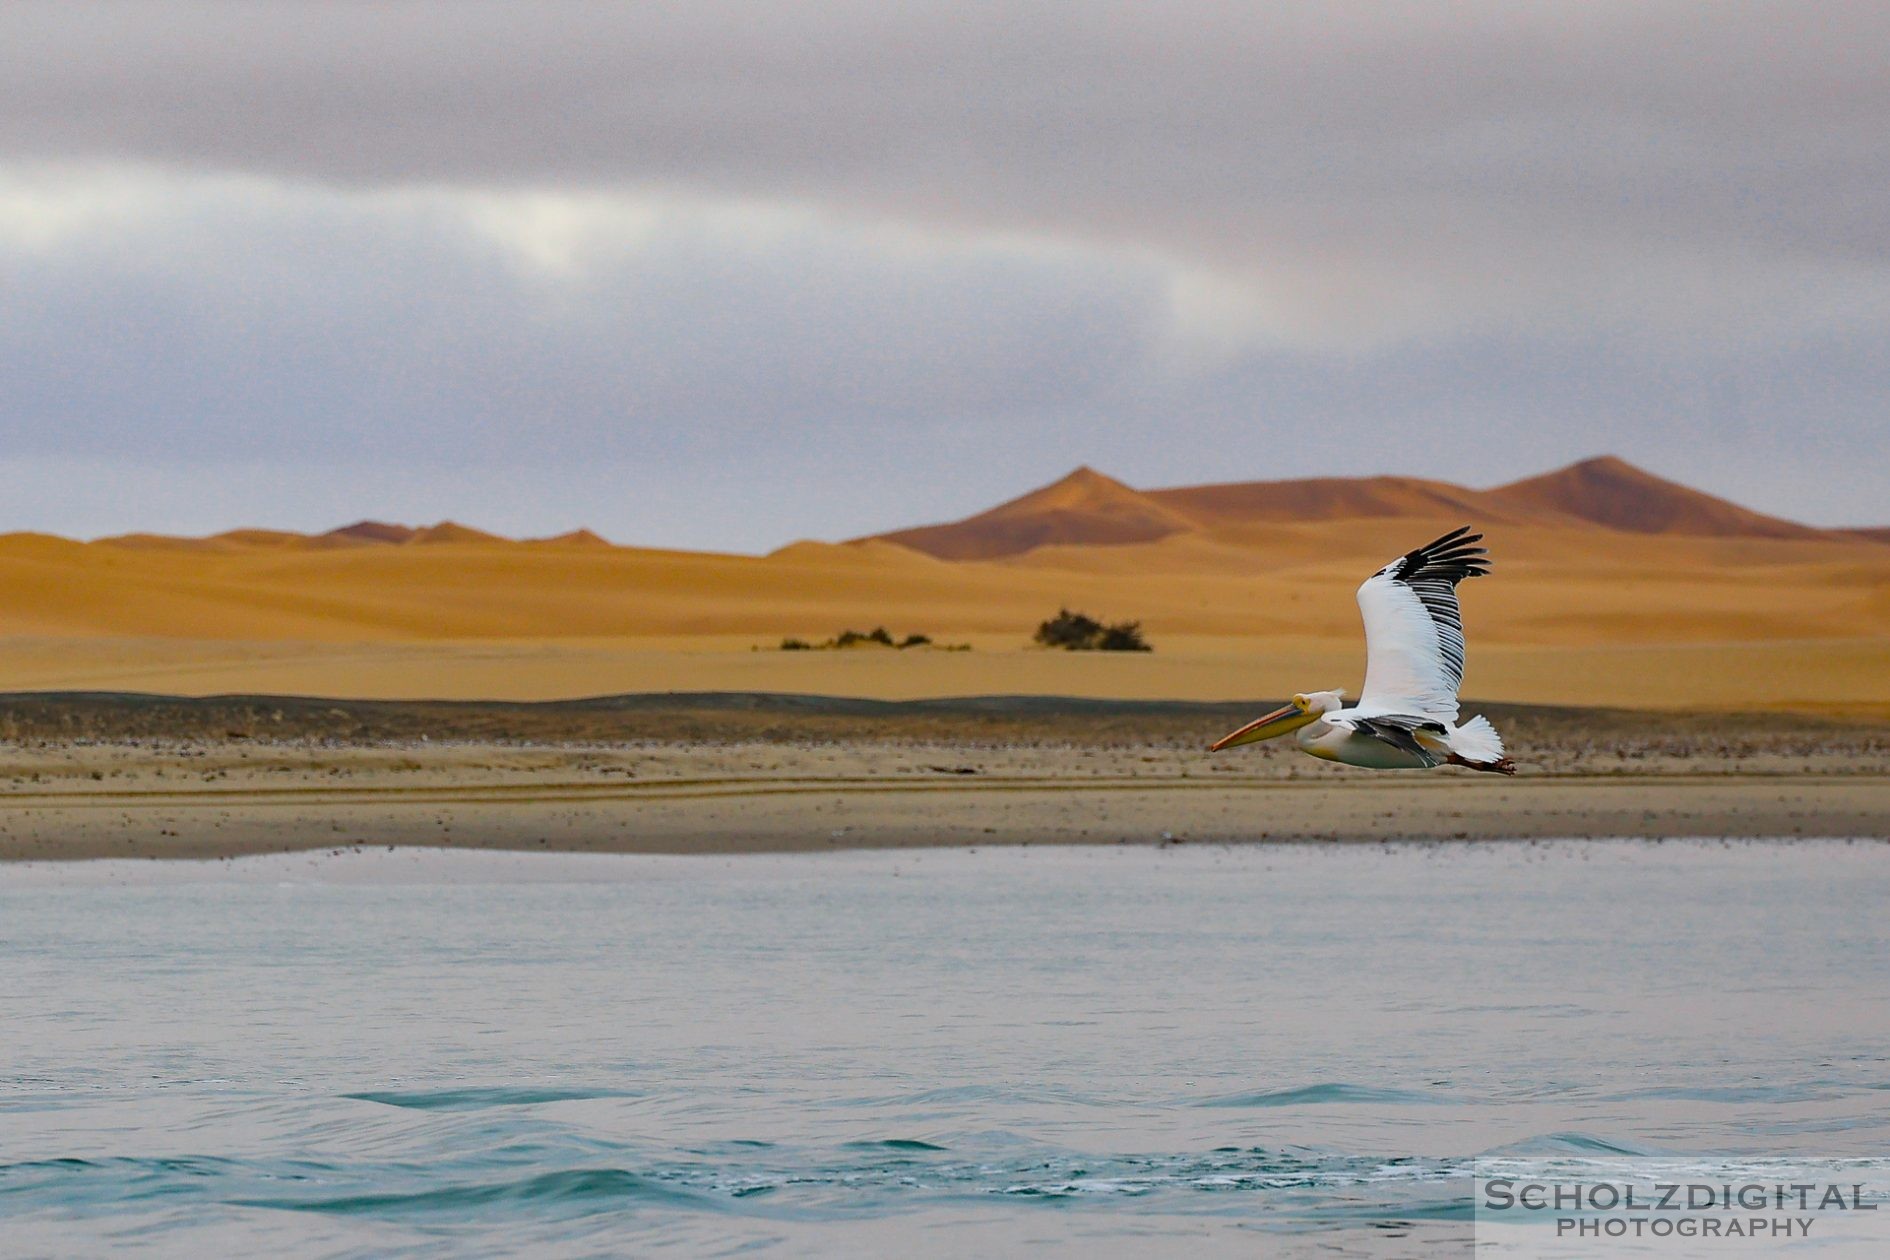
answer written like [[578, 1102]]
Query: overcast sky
[[724, 275]]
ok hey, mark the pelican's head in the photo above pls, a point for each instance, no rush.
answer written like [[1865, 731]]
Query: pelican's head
[[1308, 706]]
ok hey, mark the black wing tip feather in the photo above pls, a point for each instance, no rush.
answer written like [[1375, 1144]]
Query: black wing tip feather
[[1452, 558]]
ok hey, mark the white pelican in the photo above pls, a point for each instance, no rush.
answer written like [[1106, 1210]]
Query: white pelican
[[1406, 718]]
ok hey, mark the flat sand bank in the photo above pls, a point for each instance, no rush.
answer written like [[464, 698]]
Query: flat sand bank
[[138, 776], [784, 816]]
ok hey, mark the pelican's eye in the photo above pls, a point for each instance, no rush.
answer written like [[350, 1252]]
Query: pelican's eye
[[1301, 703]]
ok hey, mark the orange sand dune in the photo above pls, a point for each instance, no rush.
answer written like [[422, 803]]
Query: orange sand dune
[[1087, 508], [1832, 677], [1611, 587], [1554, 586], [1340, 498], [1571, 615], [1084, 508]]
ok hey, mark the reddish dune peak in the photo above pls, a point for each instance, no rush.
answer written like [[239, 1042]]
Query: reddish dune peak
[[1610, 491], [1083, 479], [452, 532], [579, 537], [1087, 507], [1083, 508], [372, 532], [1083, 488]]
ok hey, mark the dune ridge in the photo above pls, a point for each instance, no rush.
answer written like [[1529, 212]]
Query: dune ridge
[[1087, 508], [1614, 494], [1243, 588]]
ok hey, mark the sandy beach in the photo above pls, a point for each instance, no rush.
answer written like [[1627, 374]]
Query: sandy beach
[[157, 777]]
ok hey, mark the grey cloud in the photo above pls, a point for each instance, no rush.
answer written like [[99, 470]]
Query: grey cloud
[[238, 322], [1196, 121], [689, 380], [1478, 237]]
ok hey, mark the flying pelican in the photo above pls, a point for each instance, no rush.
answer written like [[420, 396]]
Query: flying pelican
[[1406, 718]]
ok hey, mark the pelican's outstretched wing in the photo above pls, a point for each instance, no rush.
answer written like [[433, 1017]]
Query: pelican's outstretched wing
[[1414, 629]]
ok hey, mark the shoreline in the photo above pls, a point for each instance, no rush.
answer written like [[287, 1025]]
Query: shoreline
[[812, 815], [102, 776], [432, 866]]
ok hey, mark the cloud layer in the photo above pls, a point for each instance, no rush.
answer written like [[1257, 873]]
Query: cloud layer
[[724, 274]]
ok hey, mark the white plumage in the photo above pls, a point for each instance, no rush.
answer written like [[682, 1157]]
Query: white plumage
[[1413, 646], [1406, 716]]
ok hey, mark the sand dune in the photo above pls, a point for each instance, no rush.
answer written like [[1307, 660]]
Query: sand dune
[[1647, 621], [1338, 498], [1613, 493], [451, 532], [1554, 587], [1088, 508], [1720, 608], [572, 538], [1083, 509], [371, 532]]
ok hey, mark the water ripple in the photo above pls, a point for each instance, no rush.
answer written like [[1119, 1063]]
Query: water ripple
[[471, 1098], [1323, 1093], [1154, 1054]]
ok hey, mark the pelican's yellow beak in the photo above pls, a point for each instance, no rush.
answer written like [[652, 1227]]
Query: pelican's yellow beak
[[1287, 718]]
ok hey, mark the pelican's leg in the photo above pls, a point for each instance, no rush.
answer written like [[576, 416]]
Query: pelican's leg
[[1502, 765]]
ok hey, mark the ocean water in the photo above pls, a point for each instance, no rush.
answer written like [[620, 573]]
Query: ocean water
[[1111, 1051]]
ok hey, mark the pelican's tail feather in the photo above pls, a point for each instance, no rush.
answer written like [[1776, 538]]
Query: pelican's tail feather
[[1476, 741]]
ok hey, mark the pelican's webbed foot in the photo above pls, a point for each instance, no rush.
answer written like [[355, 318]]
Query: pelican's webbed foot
[[1502, 765]]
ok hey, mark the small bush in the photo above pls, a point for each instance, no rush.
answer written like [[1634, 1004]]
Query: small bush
[[852, 638], [1123, 636], [1070, 630], [1079, 632], [878, 636]]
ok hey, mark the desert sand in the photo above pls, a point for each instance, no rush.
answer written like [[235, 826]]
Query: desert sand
[[1754, 654], [1802, 676], [1611, 588]]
